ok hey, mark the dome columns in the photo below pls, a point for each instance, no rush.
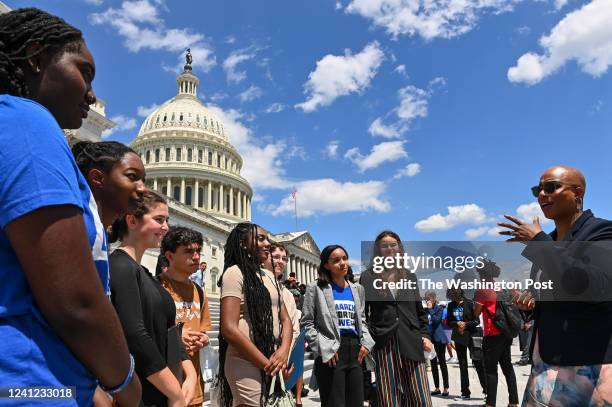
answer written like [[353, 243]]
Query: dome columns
[[214, 197], [305, 271]]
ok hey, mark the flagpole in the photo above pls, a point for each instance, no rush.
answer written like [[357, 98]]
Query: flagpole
[[294, 196], [295, 209]]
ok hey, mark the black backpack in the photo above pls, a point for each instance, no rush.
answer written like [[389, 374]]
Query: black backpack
[[507, 316]]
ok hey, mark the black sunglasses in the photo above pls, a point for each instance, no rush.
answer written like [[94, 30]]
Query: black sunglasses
[[548, 187]]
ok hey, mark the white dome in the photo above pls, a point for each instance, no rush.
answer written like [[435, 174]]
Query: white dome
[[188, 156], [184, 112]]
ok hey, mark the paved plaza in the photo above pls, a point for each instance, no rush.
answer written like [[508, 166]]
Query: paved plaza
[[522, 373]]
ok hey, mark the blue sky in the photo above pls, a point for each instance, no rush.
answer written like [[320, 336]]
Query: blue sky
[[431, 121]]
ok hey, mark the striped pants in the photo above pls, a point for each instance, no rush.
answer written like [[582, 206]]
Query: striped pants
[[400, 382]]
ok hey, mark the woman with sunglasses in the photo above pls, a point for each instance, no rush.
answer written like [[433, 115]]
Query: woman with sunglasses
[[571, 345], [400, 327], [336, 330]]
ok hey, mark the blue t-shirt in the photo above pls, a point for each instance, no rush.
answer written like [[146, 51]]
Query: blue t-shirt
[[345, 309], [37, 170], [458, 313]]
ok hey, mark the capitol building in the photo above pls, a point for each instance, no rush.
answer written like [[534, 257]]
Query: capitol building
[[189, 158]]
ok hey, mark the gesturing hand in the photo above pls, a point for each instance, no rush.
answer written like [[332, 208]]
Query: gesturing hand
[[524, 301], [520, 231]]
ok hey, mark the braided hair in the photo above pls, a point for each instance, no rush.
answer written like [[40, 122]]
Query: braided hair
[[100, 155], [24, 27], [240, 251]]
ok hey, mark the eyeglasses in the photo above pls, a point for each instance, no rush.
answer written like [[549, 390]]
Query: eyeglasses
[[280, 258], [549, 187]]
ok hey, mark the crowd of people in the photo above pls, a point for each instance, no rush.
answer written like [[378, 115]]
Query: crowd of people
[[71, 315]]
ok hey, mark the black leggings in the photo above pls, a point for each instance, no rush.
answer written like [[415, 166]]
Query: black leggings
[[440, 359], [342, 385], [496, 350]]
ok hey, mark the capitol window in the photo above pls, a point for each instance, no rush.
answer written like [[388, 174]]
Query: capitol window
[[189, 155], [218, 160], [177, 193], [148, 156], [188, 196], [167, 154], [209, 158], [200, 156], [214, 253], [157, 155], [178, 154]]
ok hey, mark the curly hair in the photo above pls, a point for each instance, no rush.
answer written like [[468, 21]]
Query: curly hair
[[180, 236], [100, 155], [24, 27], [239, 251], [150, 199]]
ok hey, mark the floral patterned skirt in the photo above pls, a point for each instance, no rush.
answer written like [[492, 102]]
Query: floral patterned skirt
[[567, 386]]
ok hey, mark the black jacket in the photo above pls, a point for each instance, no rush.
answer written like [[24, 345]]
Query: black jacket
[[403, 316], [573, 332], [471, 322]]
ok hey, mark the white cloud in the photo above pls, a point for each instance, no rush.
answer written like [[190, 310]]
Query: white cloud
[[378, 128], [337, 76], [122, 123], [263, 165], [475, 233], [216, 97], [427, 18], [314, 198], [559, 4], [583, 36], [383, 152], [410, 170], [94, 2], [526, 212], [253, 92], [413, 104], [523, 30], [470, 214], [145, 111], [275, 108], [331, 149], [141, 27], [230, 39], [401, 70], [233, 60]]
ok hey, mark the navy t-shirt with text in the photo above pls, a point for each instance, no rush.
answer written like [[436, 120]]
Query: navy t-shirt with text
[[345, 309]]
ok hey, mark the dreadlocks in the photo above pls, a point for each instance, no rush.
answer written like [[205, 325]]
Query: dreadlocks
[[101, 155], [240, 251], [24, 27]]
